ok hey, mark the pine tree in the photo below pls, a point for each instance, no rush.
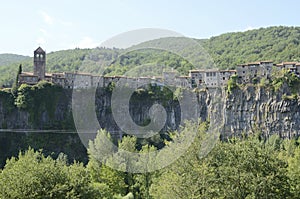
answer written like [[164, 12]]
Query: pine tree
[[16, 83]]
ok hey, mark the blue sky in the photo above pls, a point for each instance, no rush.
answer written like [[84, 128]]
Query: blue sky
[[65, 24]]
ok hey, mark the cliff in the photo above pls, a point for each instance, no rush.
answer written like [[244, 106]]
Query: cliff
[[233, 111], [245, 110], [261, 109]]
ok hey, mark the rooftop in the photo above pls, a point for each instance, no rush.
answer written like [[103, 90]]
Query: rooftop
[[39, 50]]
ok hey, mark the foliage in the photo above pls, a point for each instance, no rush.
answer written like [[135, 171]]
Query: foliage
[[16, 83], [232, 83], [227, 50], [285, 77], [33, 175], [294, 172], [99, 151], [7, 99], [6, 59], [42, 98], [239, 168], [277, 43], [247, 167]]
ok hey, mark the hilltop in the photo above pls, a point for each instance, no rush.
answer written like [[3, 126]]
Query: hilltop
[[227, 50], [6, 58]]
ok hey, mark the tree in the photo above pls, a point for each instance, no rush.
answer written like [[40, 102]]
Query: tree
[[32, 175], [16, 83], [294, 172], [104, 177], [188, 177], [246, 168], [23, 99]]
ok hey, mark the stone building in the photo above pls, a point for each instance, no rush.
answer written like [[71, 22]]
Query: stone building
[[28, 78], [225, 76], [210, 78], [39, 66], [291, 66], [183, 82], [254, 71], [172, 78], [39, 63], [197, 78]]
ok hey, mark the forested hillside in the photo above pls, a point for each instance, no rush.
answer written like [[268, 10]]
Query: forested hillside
[[227, 50], [6, 59], [275, 43]]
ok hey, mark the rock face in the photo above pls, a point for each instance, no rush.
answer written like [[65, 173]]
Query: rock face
[[39, 117], [247, 110], [259, 109]]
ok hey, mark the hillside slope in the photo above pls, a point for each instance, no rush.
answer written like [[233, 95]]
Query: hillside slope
[[227, 50], [6, 58], [273, 43]]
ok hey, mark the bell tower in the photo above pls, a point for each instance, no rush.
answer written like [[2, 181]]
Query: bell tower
[[39, 63]]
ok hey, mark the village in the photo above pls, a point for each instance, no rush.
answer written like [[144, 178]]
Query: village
[[209, 78]]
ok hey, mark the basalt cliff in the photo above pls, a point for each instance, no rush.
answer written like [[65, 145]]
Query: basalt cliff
[[246, 109]]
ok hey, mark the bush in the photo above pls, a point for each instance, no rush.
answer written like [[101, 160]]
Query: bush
[[232, 83]]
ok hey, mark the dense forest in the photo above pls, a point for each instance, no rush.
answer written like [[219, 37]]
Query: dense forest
[[6, 59], [227, 50], [246, 167]]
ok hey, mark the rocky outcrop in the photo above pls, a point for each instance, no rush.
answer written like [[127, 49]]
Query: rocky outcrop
[[259, 109], [245, 110]]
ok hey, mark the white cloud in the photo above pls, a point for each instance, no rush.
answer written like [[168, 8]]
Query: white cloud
[[86, 42], [50, 20], [47, 18]]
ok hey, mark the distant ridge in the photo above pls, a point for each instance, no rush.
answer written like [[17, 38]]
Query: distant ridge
[[278, 43], [7, 58]]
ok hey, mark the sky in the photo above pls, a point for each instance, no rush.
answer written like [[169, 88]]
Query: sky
[[65, 24]]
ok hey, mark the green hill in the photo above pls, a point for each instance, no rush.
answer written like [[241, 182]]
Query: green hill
[[6, 59], [227, 50], [273, 43]]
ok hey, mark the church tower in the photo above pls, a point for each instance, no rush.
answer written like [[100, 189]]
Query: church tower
[[39, 63]]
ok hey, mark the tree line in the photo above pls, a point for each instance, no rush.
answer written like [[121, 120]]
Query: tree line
[[249, 166]]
